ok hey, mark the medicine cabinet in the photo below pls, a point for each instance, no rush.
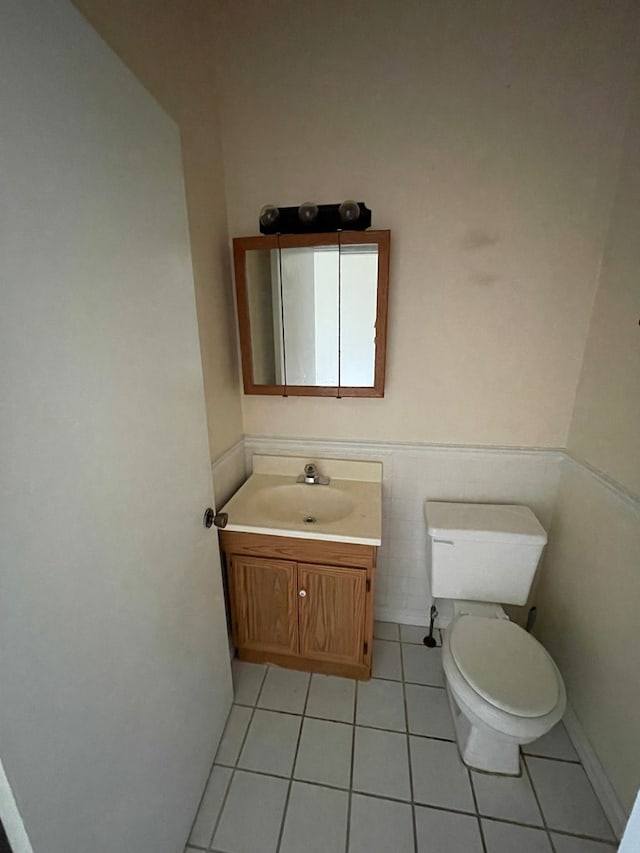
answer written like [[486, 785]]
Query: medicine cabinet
[[312, 313]]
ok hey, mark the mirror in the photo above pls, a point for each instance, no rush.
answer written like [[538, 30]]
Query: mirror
[[312, 312]]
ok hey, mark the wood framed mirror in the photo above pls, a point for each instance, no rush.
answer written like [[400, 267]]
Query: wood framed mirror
[[312, 313]]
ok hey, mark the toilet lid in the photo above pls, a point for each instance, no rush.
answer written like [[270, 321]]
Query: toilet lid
[[505, 665]]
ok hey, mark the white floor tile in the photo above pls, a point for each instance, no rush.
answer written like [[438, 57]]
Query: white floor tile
[[447, 832], [507, 797], [252, 814], [380, 826], [210, 806], [567, 799], [284, 690], [233, 734], [271, 743], [439, 776], [381, 704], [316, 820], [381, 764], [428, 711], [386, 631], [386, 660], [331, 698], [324, 754], [422, 665], [247, 678], [413, 634], [508, 838], [555, 744], [571, 844]]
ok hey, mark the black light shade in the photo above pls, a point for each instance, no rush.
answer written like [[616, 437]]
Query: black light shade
[[315, 218]]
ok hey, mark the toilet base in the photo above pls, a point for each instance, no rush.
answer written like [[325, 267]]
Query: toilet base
[[483, 749]]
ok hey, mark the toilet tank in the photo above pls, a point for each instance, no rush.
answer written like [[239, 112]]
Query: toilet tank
[[483, 552]]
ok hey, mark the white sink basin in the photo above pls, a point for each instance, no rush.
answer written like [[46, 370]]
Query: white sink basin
[[273, 503], [301, 503]]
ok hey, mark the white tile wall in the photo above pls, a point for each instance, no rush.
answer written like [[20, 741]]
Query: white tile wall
[[411, 475]]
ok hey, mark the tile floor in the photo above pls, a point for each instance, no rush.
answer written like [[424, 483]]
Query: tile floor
[[317, 764]]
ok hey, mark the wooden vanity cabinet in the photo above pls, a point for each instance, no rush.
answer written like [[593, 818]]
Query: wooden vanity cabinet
[[301, 603]]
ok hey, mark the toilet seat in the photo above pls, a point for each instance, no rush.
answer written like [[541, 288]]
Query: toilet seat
[[486, 708], [505, 665]]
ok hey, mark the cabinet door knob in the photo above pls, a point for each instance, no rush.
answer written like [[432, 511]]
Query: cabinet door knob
[[302, 593]]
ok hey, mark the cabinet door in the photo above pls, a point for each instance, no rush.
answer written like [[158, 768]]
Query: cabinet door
[[331, 613], [264, 604]]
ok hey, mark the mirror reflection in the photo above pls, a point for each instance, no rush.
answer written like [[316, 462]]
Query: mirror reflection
[[312, 314]]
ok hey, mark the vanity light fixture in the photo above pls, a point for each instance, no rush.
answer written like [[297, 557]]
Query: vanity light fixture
[[311, 218]]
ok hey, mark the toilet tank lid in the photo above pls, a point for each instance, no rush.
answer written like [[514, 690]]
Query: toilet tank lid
[[483, 522]]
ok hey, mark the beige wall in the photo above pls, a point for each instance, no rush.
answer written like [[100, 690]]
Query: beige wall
[[605, 430], [589, 593], [168, 46], [588, 601], [486, 137]]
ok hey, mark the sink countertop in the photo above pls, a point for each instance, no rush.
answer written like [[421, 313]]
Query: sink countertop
[[362, 525]]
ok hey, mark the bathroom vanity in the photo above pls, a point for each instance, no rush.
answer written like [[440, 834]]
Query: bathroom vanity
[[300, 563]]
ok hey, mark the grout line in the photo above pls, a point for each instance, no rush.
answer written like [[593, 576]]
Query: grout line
[[293, 765], [606, 816], [580, 764], [359, 725], [408, 744], [535, 794], [552, 758], [206, 785], [475, 803], [401, 731], [349, 722], [233, 770], [359, 791], [612, 844], [511, 821], [353, 752]]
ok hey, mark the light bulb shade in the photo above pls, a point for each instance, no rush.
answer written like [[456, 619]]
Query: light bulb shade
[[269, 215], [308, 212], [349, 211]]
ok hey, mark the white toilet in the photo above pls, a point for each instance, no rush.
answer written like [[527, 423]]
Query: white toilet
[[503, 686]]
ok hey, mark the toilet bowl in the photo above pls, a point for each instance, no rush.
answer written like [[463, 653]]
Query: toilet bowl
[[504, 690]]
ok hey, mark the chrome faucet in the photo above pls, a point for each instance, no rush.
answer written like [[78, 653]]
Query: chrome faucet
[[312, 477]]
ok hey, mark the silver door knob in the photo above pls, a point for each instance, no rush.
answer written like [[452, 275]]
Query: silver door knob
[[302, 593]]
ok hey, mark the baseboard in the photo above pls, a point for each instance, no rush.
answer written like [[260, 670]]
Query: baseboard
[[603, 788], [403, 617]]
